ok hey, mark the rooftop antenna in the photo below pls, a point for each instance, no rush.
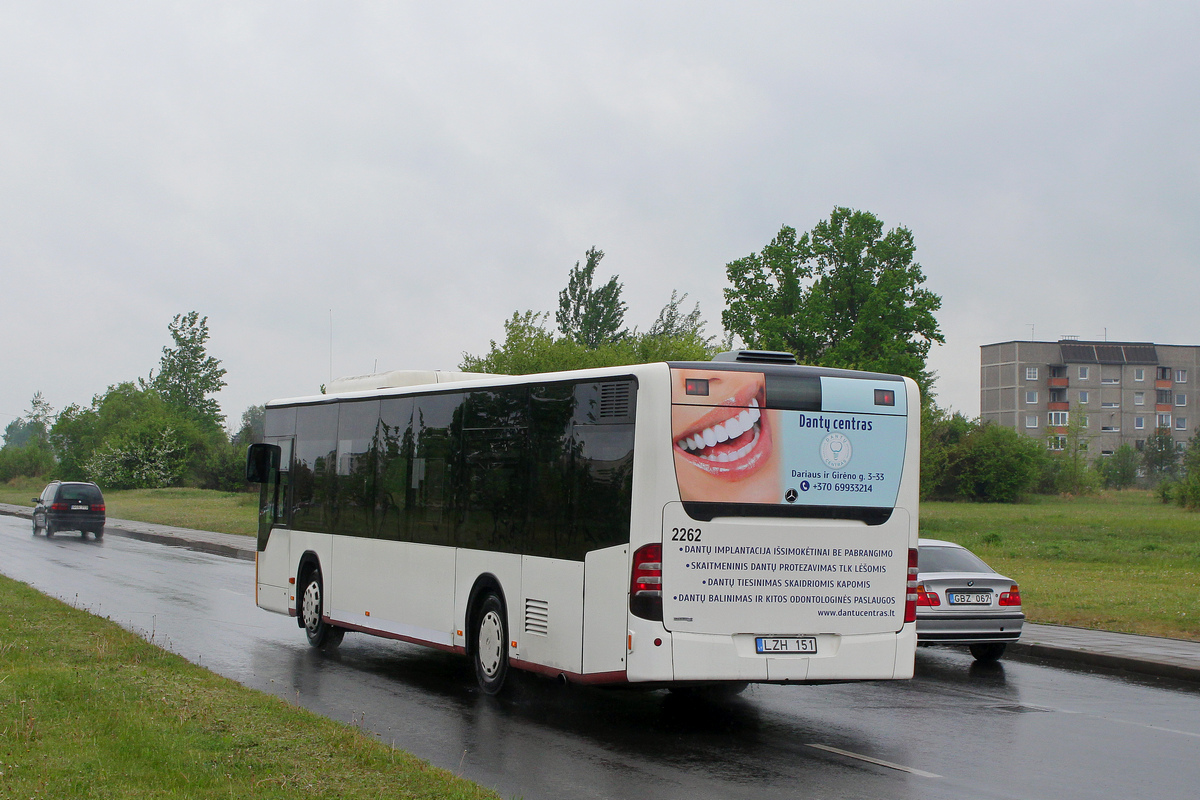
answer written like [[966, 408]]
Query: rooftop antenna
[[331, 345], [1031, 332]]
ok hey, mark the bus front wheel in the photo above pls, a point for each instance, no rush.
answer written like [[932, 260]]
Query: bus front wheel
[[490, 644], [319, 632]]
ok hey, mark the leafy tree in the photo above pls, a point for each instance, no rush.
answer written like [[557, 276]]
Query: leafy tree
[[128, 419], [187, 375], [587, 316], [1121, 468], [942, 432], [26, 449], [996, 463], [34, 426], [253, 426], [1067, 470], [528, 347], [1159, 456], [1188, 491], [842, 295]]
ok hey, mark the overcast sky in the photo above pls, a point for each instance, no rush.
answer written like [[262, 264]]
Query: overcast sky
[[345, 186]]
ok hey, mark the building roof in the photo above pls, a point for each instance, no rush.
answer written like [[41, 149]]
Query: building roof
[[1075, 352]]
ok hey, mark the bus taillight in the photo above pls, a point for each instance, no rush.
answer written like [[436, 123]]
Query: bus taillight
[[645, 590], [910, 598]]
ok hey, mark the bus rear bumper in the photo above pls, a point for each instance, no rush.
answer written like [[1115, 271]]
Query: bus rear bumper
[[874, 656]]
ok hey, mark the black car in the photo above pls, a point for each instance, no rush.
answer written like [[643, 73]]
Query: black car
[[69, 506]]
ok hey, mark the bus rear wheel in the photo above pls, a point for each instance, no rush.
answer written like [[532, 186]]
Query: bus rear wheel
[[319, 632], [490, 644]]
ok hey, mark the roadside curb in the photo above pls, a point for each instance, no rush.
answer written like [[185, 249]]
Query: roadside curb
[[218, 544], [1144, 655]]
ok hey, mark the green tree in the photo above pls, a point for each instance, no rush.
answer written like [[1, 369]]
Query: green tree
[[587, 316], [1121, 468], [34, 426], [942, 432], [1159, 458], [842, 295], [1067, 469], [128, 422], [187, 375], [997, 464]]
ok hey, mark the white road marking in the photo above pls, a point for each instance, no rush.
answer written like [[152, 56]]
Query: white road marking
[[880, 762]]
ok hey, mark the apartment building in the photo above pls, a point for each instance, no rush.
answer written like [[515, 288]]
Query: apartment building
[[1124, 390]]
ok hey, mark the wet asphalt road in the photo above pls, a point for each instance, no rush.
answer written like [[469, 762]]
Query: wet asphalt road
[[1017, 730]]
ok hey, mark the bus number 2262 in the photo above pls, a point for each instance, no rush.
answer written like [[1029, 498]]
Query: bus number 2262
[[685, 534]]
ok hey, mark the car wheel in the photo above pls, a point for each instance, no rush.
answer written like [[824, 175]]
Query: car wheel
[[990, 651], [98, 533], [312, 604], [35, 526], [490, 644], [49, 526]]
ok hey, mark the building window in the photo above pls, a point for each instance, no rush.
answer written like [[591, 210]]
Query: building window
[[1031, 421], [1110, 429], [1180, 447], [1181, 376], [1139, 423], [1057, 418], [1031, 373], [1083, 373], [1139, 374], [1057, 443], [1164, 420], [1110, 405], [1181, 423], [1163, 373], [1031, 397], [1181, 399], [1163, 397], [1139, 398], [1111, 381], [1139, 445], [1083, 398]]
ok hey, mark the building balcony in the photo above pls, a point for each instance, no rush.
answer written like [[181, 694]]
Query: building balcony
[[1058, 406], [1164, 408], [1163, 384], [1058, 383]]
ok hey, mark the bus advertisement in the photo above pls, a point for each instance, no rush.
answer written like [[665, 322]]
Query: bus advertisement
[[674, 525]]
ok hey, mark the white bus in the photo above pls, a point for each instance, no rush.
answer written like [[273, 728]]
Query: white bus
[[674, 524]]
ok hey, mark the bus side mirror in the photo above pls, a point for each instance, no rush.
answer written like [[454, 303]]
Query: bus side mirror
[[261, 460]]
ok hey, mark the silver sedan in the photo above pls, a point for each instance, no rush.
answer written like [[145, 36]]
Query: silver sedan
[[961, 600]]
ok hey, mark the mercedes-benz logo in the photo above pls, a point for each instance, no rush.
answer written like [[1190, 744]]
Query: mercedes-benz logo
[[791, 495]]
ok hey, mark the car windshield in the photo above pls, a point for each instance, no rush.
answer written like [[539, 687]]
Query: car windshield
[[949, 559], [79, 493]]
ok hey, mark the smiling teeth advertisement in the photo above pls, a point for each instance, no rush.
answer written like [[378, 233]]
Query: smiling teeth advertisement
[[731, 447]]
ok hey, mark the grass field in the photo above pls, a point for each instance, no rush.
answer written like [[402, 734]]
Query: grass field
[[1120, 561], [89, 710]]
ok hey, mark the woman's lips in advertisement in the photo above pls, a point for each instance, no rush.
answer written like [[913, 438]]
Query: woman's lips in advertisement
[[731, 447]]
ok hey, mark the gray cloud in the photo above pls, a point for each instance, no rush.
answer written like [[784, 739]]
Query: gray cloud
[[420, 171]]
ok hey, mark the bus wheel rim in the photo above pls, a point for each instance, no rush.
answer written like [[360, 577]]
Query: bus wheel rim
[[491, 645]]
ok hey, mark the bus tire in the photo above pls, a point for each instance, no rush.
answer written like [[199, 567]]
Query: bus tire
[[987, 652], [489, 644], [312, 606]]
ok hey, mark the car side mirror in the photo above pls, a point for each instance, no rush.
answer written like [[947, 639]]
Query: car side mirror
[[261, 460], [37, 500]]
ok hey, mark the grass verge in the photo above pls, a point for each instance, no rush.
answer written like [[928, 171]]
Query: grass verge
[[223, 512], [1117, 561], [89, 710]]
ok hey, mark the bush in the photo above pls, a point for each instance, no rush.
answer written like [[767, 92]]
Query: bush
[[33, 459], [143, 460], [997, 464]]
